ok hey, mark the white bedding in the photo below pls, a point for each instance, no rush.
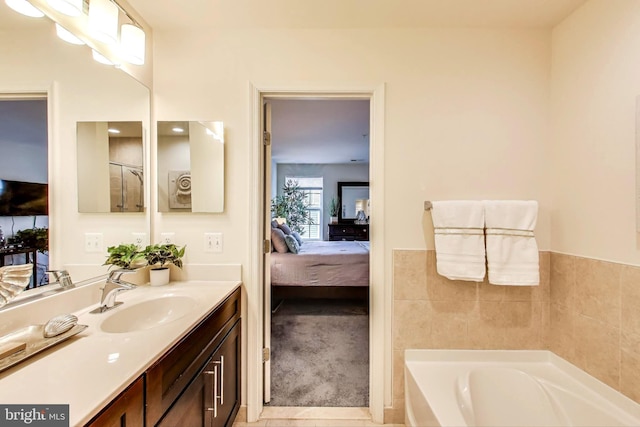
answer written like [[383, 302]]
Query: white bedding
[[322, 263]]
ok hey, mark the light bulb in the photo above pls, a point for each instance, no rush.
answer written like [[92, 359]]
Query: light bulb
[[25, 8]]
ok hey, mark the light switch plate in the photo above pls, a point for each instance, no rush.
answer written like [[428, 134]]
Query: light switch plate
[[213, 242], [93, 242]]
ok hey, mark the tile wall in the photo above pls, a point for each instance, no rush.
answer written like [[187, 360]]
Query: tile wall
[[586, 311]]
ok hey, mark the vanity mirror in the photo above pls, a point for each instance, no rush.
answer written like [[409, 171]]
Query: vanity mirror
[[76, 89], [190, 166], [110, 167], [354, 197]]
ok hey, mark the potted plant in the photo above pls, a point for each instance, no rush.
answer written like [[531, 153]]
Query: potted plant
[[159, 257], [127, 256], [292, 205], [37, 238], [334, 208]]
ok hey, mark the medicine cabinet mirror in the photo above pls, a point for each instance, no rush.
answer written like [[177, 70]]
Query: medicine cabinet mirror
[[110, 167], [190, 166]]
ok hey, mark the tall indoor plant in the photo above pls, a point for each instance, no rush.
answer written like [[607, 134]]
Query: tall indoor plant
[[334, 208], [292, 205]]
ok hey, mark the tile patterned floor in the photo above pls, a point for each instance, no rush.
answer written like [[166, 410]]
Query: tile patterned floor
[[314, 417]]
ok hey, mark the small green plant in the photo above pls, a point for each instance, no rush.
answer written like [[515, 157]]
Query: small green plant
[[334, 206], [37, 238], [161, 255], [124, 256]]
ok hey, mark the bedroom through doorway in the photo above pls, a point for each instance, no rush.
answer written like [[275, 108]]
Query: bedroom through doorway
[[317, 273]]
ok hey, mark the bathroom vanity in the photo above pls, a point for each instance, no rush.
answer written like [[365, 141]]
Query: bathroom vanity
[[182, 367]]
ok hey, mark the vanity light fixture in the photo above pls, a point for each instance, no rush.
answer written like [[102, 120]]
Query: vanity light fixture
[[67, 36], [98, 57], [132, 44], [67, 7], [113, 130], [103, 21], [177, 130], [25, 8]]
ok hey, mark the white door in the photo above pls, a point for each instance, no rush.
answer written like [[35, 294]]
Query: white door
[[266, 128]]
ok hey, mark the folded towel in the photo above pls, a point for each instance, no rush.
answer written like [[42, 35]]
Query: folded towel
[[459, 239], [512, 252]]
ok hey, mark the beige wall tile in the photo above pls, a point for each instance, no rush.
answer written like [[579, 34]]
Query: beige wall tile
[[449, 324], [562, 279], [597, 293], [409, 274], [630, 299], [489, 292], [597, 349], [398, 374], [411, 324], [524, 325], [560, 341], [630, 365], [441, 288]]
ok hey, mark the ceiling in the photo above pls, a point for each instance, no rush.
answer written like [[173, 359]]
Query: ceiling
[[165, 14]]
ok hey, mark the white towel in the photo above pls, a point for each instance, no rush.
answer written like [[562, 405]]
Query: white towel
[[459, 239], [512, 252]]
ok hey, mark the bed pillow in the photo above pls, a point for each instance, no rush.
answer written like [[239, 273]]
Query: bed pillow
[[292, 244], [277, 239], [284, 227], [297, 236], [274, 224]]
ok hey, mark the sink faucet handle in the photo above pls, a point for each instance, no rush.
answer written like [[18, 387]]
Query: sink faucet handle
[[114, 275], [62, 277]]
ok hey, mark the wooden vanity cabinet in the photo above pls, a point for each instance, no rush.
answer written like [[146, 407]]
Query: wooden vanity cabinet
[[125, 410], [196, 383], [181, 385]]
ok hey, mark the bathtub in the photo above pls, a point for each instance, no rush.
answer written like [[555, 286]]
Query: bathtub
[[508, 388]]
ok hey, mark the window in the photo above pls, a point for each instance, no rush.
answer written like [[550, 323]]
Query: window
[[312, 188]]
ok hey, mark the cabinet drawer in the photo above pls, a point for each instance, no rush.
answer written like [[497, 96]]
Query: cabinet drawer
[[126, 409], [170, 375]]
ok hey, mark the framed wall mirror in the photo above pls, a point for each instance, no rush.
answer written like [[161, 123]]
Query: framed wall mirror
[[110, 167], [191, 166], [354, 197]]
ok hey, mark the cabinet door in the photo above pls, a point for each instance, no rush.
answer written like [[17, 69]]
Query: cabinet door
[[226, 361], [187, 410], [125, 410]]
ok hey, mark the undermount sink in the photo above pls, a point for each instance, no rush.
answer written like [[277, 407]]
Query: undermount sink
[[148, 314]]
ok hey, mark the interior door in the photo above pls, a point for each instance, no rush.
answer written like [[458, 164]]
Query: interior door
[[266, 128]]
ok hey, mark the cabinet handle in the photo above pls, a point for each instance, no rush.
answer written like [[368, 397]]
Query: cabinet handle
[[215, 391], [221, 363]]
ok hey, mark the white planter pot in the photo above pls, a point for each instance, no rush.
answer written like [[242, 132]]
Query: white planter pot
[[159, 276], [334, 220]]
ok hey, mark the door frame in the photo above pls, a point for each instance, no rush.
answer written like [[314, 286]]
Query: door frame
[[380, 295]]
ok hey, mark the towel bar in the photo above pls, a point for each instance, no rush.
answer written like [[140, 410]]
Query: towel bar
[[427, 205]]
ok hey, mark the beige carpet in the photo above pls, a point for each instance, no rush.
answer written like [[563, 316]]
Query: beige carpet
[[320, 353]]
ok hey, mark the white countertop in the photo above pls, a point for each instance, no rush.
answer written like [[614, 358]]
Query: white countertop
[[88, 370]]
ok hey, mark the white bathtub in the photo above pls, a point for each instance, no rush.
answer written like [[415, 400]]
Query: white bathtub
[[508, 388]]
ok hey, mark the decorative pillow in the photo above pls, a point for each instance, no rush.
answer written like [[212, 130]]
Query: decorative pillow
[[292, 243], [277, 239], [297, 236], [284, 227]]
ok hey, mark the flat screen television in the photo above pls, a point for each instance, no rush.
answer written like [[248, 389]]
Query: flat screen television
[[23, 198]]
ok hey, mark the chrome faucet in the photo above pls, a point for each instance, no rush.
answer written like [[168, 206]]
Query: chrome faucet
[[62, 277], [112, 287]]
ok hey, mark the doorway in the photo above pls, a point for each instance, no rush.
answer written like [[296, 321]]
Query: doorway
[[319, 318], [380, 351]]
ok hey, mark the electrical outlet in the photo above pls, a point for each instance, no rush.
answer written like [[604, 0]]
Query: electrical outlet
[[93, 242], [140, 239], [167, 238], [213, 242]]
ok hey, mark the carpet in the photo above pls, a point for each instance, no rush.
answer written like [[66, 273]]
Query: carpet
[[320, 353]]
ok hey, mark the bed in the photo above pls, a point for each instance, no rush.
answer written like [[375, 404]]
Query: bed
[[323, 264]]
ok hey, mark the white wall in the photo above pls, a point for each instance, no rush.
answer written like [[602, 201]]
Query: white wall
[[595, 83], [466, 116]]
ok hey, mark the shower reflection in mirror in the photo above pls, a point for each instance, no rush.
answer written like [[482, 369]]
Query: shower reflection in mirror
[[110, 167]]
